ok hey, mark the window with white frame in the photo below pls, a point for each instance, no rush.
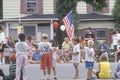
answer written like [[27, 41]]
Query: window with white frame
[[31, 6], [100, 34]]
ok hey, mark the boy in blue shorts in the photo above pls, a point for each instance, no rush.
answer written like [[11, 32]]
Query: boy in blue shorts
[[89, 58]]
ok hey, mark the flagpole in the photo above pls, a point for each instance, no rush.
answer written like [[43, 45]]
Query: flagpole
[[19, 12], [19, 27]]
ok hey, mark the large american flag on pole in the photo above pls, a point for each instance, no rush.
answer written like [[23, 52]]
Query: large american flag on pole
[[68, 21]]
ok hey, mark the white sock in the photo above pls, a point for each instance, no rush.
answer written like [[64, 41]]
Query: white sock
[[45, 76], [48, 76], [0, 61], [55, 76], [3, 60]]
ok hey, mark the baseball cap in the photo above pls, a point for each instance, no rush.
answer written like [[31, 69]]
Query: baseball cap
[[44, 35], [12, 57]]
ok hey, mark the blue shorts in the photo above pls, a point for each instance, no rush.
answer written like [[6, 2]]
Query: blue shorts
[[89, 65]]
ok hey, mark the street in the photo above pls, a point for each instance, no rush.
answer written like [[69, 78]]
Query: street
[[64, 71]]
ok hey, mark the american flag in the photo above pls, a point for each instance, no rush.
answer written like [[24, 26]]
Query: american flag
[[68, 21]]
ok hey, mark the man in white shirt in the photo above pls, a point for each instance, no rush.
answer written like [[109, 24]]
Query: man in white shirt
[[115, 38]]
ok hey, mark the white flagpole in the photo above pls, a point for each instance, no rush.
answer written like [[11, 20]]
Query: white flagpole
[[19, 12], [19, 27]]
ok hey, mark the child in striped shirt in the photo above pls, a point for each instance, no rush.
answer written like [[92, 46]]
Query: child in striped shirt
[[12, 69]]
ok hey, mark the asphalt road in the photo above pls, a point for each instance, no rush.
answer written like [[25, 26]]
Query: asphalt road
[[65, 71]]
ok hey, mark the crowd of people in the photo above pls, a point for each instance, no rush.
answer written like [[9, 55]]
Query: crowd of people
[[47, 54]]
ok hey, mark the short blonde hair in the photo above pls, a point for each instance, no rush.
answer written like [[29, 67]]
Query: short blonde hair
[[90, 41], [103, 58]]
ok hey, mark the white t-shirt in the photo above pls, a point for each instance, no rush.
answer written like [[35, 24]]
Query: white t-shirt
[[89, 54], [2, 38], [118, 47], [54, 55], [116, 37], [44, 47], [21, 48], [76, 57]]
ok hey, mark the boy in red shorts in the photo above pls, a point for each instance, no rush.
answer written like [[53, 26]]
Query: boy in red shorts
[[46, 61]]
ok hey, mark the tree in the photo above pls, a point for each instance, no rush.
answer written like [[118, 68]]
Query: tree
[[63, 7], [116, 13], [98, 5]]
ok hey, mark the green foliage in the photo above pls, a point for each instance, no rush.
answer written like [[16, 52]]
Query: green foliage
[[117, 24], [116, 13], [98, 5], [76, 23], [63, 7]]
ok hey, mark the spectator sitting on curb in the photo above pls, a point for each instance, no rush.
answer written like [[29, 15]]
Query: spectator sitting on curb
[[117, 70], [12, 69], [104, 68], [36, 56], [103, 48]]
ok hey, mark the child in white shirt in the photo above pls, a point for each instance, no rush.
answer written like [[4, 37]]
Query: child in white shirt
[[21, 48], [76, 56], [117, 53], [89, 58], [54, 57]]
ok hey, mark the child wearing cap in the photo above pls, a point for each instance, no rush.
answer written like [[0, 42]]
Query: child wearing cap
[[12, 69], [46, 52]]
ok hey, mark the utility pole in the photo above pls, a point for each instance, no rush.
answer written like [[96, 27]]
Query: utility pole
[[1, 9]]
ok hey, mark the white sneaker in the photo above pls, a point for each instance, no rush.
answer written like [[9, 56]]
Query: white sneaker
[[43, 78], [115, 62], [112, 53], [3, 60], [48, 77], [0, 62], [75, 77]]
